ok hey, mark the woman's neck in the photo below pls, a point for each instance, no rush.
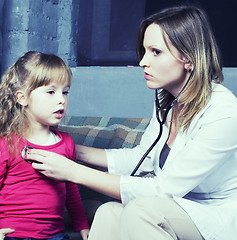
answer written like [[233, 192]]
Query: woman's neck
[[173, 130]]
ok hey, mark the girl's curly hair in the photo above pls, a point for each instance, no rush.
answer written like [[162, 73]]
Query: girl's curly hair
[[30, 71]]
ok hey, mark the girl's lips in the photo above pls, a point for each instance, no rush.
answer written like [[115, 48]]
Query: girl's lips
[[59, 114]]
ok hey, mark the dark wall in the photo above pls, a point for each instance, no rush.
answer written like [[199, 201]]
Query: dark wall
[[109, 36], [223, 19]]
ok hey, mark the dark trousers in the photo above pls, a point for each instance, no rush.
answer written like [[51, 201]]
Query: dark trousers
[[61, 236]]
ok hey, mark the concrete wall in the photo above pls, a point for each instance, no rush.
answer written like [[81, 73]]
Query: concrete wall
[[42, 25], [118, 91], [1, 35]]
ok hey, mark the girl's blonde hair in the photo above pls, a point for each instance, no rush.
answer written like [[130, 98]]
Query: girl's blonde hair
[[189, 31], [30, 71]]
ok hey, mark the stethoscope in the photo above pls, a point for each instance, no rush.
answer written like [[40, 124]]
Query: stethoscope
[[161, 122]]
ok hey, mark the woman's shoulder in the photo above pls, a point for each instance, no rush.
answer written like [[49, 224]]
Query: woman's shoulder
[[222, 94], [222, 102]]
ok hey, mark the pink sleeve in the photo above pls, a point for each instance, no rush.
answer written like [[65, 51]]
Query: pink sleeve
[[74, 204], [4, 156], [75, 207]]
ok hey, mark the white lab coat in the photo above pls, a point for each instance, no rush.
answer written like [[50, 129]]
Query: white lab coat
[[200, 172]]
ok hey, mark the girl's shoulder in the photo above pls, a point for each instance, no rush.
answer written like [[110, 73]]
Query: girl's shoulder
[[3, 142], [14, 138], [64, 136]]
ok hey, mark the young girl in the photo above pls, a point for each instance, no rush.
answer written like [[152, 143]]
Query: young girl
[[33, 99]]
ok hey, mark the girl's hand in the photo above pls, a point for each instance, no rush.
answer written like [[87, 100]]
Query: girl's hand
[[85, 234], [5, 231], [51, 164]]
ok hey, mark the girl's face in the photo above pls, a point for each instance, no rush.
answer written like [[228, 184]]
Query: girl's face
[[47, 105], [162, 68]]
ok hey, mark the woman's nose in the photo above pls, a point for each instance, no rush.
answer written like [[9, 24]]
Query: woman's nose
[[143, 63]]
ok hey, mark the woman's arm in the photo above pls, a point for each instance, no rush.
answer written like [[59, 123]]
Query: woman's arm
[[90, 155], [59, 167]]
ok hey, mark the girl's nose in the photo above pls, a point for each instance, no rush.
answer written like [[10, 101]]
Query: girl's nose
[[61, 99]]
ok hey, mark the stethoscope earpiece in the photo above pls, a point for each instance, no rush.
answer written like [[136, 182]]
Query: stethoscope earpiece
[[24, 152]]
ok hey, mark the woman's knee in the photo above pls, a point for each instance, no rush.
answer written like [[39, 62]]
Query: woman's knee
[[108, 210], [135, 209], [146, 207]]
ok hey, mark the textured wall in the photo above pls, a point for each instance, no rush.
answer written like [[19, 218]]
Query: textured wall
[[1, 25], [43, 25]]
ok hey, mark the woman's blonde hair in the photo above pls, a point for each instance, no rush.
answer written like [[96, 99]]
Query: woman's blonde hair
[[30, 71], [189, 31]]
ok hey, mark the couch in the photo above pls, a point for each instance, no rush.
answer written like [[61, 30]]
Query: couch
[[101, 132]]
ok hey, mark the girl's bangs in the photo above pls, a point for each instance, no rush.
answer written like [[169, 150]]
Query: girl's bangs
[[45, 75]]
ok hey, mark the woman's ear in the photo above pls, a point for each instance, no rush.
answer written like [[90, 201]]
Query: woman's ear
[[21, 97], [188, 65]]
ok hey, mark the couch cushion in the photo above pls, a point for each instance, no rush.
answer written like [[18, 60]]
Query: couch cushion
[[105, 132]]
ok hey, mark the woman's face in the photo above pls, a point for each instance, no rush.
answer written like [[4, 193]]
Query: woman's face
[[163, 68]]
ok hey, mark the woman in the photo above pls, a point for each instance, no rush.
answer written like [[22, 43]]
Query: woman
[[194, 192]]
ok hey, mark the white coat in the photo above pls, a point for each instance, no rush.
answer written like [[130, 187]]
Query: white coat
[[200, 172]]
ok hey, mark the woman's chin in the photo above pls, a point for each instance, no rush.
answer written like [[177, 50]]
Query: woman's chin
[[152, 86]]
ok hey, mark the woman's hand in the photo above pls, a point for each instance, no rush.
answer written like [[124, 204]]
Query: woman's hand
[[60, 168], [84, 234], [51, 164], [5, 231]]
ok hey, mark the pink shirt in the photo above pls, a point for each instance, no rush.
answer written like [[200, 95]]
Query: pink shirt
[[33, 204]]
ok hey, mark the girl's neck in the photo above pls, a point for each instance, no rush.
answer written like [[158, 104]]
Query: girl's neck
[[38, 136]]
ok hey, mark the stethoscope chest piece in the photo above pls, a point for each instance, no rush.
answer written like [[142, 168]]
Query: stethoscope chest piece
[[24, 153]]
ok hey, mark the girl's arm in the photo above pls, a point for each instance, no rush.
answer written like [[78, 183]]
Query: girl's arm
[[75, 207]]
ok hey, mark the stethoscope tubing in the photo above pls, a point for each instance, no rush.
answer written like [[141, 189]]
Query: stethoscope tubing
[[161, 123]]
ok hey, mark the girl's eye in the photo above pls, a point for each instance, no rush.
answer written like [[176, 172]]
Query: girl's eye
[[156, 51], [50, 92], [65, 92]]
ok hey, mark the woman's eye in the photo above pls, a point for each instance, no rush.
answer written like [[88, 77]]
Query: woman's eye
[[156, 51], [50, 92]]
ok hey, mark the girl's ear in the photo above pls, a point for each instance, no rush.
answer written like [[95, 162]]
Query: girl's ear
[[21, 98]]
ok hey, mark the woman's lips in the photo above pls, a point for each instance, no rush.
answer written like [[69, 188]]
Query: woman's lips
[[147, 76]]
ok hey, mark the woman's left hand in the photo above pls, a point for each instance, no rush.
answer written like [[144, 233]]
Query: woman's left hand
[[51, 164]]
